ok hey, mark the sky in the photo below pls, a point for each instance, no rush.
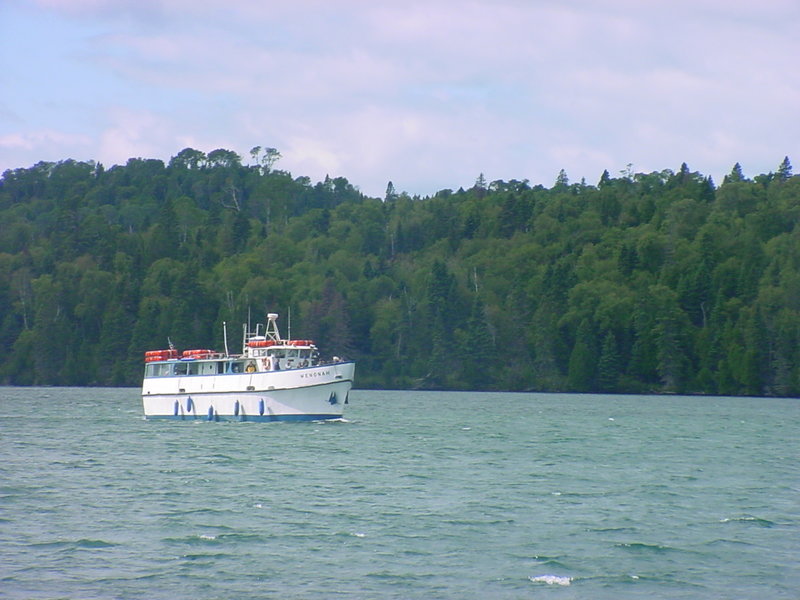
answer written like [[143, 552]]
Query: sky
[[427, 94]]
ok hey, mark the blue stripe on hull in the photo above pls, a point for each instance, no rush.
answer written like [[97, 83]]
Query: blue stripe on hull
[[249, 418]]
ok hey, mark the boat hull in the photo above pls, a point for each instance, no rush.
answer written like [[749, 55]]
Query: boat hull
[[314, 393]]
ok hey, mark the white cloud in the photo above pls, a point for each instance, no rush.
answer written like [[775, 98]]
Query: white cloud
[[25, 148], [39, 139], [132, 134], [426, 93]]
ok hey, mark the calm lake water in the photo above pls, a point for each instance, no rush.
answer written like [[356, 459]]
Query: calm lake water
[[416, 495]]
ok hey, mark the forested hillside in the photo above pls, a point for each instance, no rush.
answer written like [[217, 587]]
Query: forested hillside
[[644, 282]]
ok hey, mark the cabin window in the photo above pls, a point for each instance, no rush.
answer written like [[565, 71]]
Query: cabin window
[[181, 368], [236, 366], [194, 368], [159, 370]]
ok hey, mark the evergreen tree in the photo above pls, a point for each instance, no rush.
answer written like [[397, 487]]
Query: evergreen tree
[[391, 194], [784, 170], [583, 360], [477, 349], [735, 175], [693, 288], [164, 236], [562, 181], [609, 365]]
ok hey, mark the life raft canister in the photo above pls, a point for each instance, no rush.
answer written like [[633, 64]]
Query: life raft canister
[[260, 343], [158, 355], [201, 353]]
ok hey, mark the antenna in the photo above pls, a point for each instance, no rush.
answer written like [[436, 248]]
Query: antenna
[[225, 337], [289, 324]]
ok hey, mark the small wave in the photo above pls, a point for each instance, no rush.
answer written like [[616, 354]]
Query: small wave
[[87, 543], [193, 540], [550, 562], [200, 556], [71, 544], [683, 478], [194, 511], [626, 579], [485, 520], [240, 537], [400, 579], [219, 456], [642, 547], [726, 542], [749, 519], [551, 579], [219, 538], [612, 529], [415, 476]]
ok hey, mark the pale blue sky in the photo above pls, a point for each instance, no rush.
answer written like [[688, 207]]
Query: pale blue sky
[[425, 93]]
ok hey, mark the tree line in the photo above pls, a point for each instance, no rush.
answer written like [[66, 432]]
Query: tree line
[[645, 282]]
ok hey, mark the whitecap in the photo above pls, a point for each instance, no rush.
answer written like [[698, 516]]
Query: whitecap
[[206, 536], [551, 579], [748, 519], [358, 534]]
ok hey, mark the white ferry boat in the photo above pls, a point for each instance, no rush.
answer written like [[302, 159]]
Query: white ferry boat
[[273, 379]]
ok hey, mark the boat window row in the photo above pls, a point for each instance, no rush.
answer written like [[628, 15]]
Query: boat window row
[[216, 367], [283, 352]]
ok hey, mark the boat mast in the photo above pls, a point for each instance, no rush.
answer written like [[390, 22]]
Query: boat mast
[[225, 337], [271, 330]]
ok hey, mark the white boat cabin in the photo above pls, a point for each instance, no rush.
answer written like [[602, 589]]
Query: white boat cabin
[[260, 353]]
